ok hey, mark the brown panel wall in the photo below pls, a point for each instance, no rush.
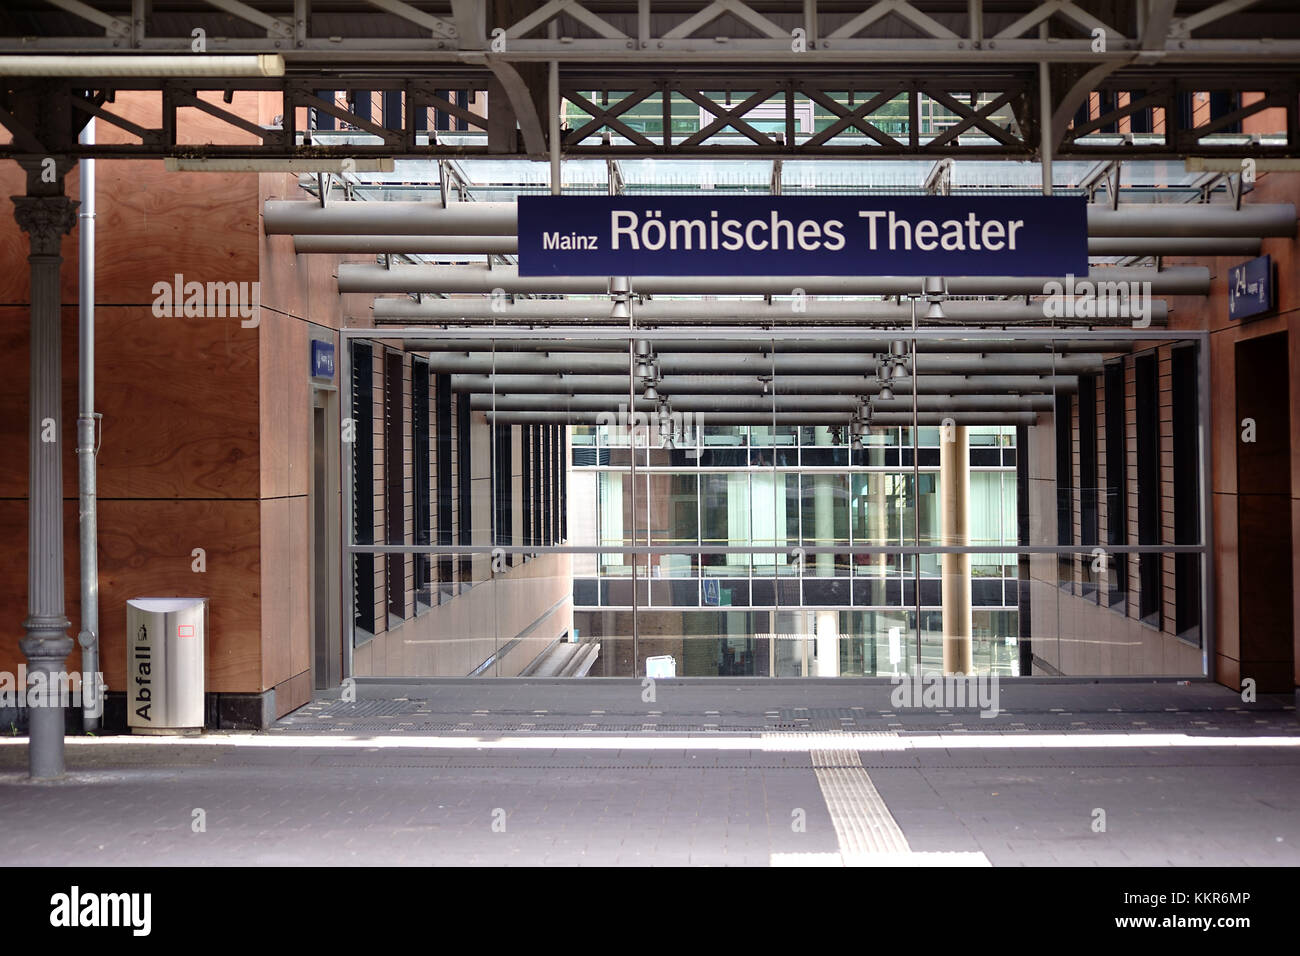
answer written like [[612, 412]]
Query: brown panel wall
[[1233, 617], [205, 420]]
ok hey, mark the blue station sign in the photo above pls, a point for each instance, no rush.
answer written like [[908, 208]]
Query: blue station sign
[[322, 359], [803, 236], [1251, 290]]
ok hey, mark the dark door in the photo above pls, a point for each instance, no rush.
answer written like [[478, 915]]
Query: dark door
[[1265, 581]]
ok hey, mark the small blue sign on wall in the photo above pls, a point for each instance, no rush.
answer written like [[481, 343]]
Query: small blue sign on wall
[[1251, 289], [803, 236], [322, 360], [711, 592]]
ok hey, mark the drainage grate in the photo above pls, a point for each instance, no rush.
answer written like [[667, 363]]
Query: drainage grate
[[370, 708]]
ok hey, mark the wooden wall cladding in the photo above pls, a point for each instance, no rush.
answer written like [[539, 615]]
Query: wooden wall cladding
[[284, 356], [152, 224], [146, 550], [293, 693], [305, 286], [179, 399], [285, 588], [180, 403], [149, 225]]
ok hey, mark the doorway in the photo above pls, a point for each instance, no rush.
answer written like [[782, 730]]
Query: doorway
[[327, 633], [1264, 547]]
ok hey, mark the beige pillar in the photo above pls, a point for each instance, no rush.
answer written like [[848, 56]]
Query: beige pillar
[[827, 622], [880, 522], [954, 522]]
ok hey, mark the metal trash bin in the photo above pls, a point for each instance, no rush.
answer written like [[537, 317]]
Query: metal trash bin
[[165, 648]]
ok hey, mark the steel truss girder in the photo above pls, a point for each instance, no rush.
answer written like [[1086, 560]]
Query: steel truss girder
[[649, 46], [850, 117], [567, 31], [588, 139], [1185, 140]]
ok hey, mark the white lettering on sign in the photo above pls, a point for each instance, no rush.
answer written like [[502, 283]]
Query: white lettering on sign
[[951, 235], [629, 231], [567, 241], [885, 230]]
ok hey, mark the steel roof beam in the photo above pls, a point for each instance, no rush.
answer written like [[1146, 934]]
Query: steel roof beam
[[1132, 221], [812, 312], [1182, 280], [718, 384], [782, 364], [509, 245], [883, 419], [761, 403], [961, 342]]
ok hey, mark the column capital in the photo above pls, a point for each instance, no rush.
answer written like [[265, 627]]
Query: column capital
[[46, 220]]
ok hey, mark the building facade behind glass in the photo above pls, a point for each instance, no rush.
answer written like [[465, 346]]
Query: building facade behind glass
[[781, 490]]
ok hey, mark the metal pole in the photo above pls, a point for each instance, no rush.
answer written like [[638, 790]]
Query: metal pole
[[46, 215], [88, 638], [553, 102], [1045, 116], [347, 560], [916, 496], [954, 504], [631, 443], [1209, 625]]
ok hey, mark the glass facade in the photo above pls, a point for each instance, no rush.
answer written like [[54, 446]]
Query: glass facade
[[798, 531], [1042, 532]]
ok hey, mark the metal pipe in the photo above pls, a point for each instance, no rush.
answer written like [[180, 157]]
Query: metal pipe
[[509, 245], [816, 312], [413, 245], [961, 342], [495, 401], [294, 216], [562, 384], [776, 321], [88, 637], [1132, 220], [122, 65], [553, 121], [1203, 220], [1046, 137], [885, 419], [672, 363], [355, 277], [1173, 246]]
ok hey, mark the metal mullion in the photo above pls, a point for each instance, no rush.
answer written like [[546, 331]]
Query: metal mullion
[[1208, 604], [916, 493], [347, 572], [815, 549], [631, 443]]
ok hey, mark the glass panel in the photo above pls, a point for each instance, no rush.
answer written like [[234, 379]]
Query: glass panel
[[1078, 469], [724, 520]]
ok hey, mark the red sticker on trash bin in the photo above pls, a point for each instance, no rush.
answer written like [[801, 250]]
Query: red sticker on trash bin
[[184, 630]]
